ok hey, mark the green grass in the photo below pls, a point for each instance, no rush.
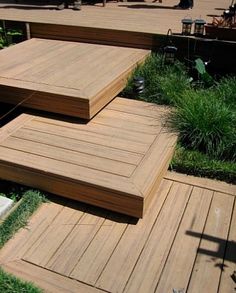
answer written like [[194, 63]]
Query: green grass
[[204, 115], [226, 89], [11, 284], [197, 164], [18, 218], [205, 123], [162, 83]]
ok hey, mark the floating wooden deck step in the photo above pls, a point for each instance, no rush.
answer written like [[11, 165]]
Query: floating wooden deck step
[[114, 161], [75, 79]]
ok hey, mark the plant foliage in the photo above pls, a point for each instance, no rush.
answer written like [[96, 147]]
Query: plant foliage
[[198, 164], [163, 83], [11, 284], [204, 112], [205, 123], [18, 218]]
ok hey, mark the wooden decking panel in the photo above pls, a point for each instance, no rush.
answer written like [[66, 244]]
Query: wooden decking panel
[[132, 23], [114, 161], [185, 242], [75, 79]]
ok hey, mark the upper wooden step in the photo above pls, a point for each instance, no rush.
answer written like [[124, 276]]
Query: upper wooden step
[[115, 161], [70, 78]]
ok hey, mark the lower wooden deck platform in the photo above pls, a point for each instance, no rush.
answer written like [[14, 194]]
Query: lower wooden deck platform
[[185, 242], [114, 161], [75, 79]]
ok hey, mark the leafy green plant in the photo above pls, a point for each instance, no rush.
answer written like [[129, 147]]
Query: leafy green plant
[[203, 76], [10, 36], [205, 123], [11, 284], [14, 36], [18, 218]]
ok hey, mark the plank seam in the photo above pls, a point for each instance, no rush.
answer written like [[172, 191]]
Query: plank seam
[[91, 240], [63, 161], [42, 232], [169, 176], [52, 224], [110, 256], [31, 128], [176, 232], [148, 237], [199, 244], [227, 243], [74, 151], [46, 269]]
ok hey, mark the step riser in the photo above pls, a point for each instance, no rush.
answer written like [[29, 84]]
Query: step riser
[[86, 162]]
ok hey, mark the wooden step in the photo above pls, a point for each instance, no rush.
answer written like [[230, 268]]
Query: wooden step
[[75, 79], [115, 161]]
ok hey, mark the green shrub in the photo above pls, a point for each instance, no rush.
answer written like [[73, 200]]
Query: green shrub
[[226, 91], [204, 114], [163, 83], [205, 124]]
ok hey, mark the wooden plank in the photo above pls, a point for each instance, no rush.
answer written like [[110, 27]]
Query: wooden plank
[[130, 117], [110, 139], [70, 156], [155, 159], [87, 34], [118, 70], [121, 172], [30, 98], [84, 79], [13, 126], [121, 263], [178, 267], [90, 126], [91, 264], [32, 44], [40, 89], [207, 269], [65, 170], [147, 270], [43, 249], [27, 236], [214, 185], [75, 144], [128, 121], [47, 280], [31, 57], [227, 284], [138, 107], [48, 70], [64, 260], [112, 200]]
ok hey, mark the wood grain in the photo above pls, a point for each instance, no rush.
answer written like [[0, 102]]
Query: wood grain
[[69, 78], [116, 161]]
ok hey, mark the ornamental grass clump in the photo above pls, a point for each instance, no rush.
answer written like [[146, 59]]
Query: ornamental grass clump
[[163, 83], [226, 90], [205, 123]]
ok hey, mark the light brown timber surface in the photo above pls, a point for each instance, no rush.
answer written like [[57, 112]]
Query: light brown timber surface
[[186, 241]]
